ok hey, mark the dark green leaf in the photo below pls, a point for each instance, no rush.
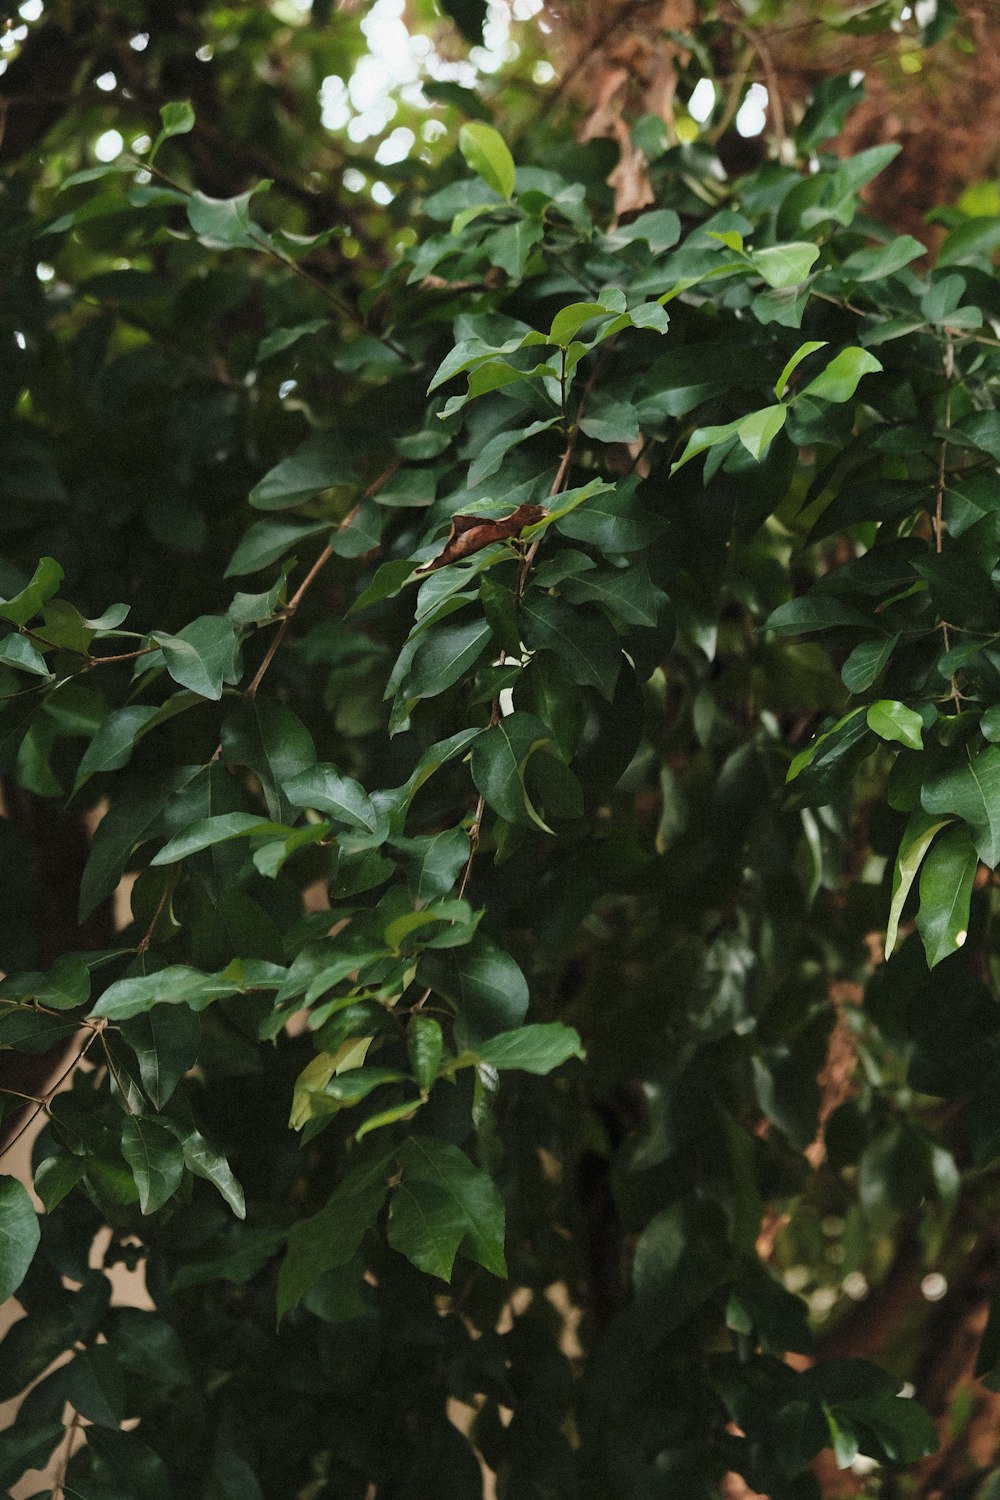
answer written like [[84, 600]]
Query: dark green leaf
[[442, 1204], [945, 893], [165, 1041], [331, 1238], [156, 1159], [533, 1049], [207, 1161], [176, 985], [317, 464], [584, 643], [971, 791], [19, 1235], [202, 656]]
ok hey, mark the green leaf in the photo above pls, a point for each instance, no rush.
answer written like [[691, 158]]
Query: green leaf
[[801, 353], [266, 542], [533, 1049], [486, 152], [95, 1387], [225, 223], [945, 894], [610, 421], [131, 820], [785, 265], [156, 1159], [264, 735], [488, 988], [902, 1428], [892, 720], [66, 986], [178, 119], [839, 380], [24, 606], [270, 858], [882, 260], [674, 1271], [202, 656], [320, 463], [585, 644], [660, 228], [569, 320], [176, 985], [758, 431], [390, 578], [19, 1235], [443, 1204], [918, 836], [324, 789], [18, 651], [283, 338], [56, 1176], [815, 612], [434, 861], [206, 832], [390, 1116], [499, 757], [332, 1237], [866, 663], [971, 791], [706, 437], [445, 654], [611, 520], [628, 592], [131, 1467], [112, 745], [165, 1041], [207, 1161], [426, 1048]]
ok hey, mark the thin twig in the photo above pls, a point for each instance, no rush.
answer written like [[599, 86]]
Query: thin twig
[[147, 937], [112, 1069], [477, 823], [95, 1027], [99, 661], [310, 578], [286, 618], [72, 1427], [949, 374]]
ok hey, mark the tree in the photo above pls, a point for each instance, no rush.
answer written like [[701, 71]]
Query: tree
[[545, 773]]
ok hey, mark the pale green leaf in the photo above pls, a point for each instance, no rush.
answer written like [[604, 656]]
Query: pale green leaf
[[839, 380], [919, 834], [487, 153]]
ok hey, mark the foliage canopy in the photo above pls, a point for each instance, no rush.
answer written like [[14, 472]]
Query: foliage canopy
[[548, 657]]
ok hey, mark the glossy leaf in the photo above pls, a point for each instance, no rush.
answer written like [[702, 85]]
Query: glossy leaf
[[487, 153], [202, 656], [945, 893], [443, 1204], [970, 791], [19, 1235], [840, 379], [920, 832], [534, 1049], [894, 721], [318, 464], [156, 1160]]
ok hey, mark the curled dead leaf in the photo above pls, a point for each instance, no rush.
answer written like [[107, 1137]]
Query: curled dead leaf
[[471, 534]]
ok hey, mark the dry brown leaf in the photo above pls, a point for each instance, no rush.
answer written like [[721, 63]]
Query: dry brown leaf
[[471, 534]]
